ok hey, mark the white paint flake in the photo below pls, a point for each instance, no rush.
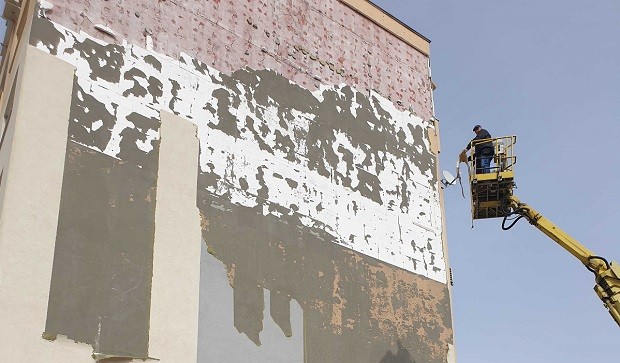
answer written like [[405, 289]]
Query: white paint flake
[[97, 125], [106, 30]]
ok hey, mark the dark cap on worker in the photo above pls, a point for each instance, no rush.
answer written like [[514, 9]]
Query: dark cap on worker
[[477, 127]]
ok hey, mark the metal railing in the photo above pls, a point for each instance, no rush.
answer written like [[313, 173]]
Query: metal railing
[[502, 160], [491, 187]]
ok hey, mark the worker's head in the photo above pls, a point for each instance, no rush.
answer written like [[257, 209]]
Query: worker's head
[[477, 129]]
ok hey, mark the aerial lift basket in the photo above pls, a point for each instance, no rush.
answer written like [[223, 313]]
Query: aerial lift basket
[[490, 191]]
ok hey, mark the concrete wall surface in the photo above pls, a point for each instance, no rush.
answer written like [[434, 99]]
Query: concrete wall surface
[[234, 181]]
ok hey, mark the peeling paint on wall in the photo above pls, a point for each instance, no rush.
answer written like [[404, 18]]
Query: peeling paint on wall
[[356, 308], [350, 163]]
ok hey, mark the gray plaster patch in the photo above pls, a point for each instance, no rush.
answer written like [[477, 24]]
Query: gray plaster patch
[[44, 33], [105, 61], [137, 135], [101, 277]]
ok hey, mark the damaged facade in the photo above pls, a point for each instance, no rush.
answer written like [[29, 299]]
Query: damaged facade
[[220, 181]]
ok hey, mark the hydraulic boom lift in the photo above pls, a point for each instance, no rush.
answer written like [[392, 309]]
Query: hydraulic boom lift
[[492, 197]]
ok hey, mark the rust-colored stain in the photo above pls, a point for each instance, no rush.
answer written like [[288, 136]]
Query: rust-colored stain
[[230, 273], [339, 302], [204, 222], [403, 301]]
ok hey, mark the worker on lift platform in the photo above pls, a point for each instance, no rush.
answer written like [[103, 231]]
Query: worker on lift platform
[[492, 197], [483, 151]]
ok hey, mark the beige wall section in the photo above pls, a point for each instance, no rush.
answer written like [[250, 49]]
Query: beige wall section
[[451, 354], [436, 149], [433, 136], [176, 258], [30, 214], [15, 44]]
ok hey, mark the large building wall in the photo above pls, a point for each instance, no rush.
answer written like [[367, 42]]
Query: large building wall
[[301, 132]]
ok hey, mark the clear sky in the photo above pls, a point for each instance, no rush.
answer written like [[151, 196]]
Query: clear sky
[[548, 72]]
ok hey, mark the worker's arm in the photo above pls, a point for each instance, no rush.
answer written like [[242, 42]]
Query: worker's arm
[[469, 145], [607, 275]]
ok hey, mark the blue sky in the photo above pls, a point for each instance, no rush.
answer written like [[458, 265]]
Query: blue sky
[[548, 72]]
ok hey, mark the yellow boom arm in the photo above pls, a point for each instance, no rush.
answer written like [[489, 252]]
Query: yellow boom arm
[[607, 275]]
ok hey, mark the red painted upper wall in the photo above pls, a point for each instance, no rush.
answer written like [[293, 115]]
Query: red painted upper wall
[[342, 46]]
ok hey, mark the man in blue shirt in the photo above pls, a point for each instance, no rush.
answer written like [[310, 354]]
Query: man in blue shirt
[[483, 151]]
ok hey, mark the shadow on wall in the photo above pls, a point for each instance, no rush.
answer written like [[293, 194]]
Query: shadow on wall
[[402, 356]]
